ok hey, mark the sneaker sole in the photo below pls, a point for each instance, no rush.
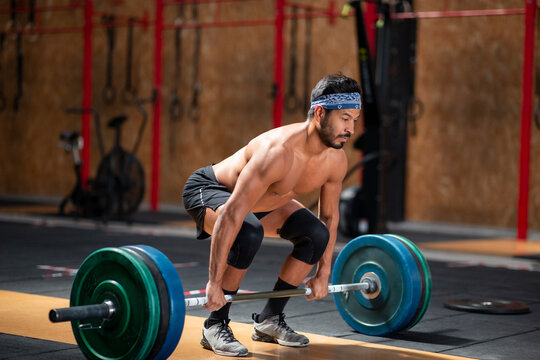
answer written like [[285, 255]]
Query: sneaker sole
[[259, 336], [205, 344]]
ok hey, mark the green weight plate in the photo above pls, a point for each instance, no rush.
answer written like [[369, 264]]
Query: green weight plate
[[163, 293], [422, 279], [426, 275], [116, 275], [394, 305], [423, 293]]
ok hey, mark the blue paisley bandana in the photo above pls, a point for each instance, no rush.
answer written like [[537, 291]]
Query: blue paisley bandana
[[338, 101]]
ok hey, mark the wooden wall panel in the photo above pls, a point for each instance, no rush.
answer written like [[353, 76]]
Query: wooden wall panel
[[462, 163]]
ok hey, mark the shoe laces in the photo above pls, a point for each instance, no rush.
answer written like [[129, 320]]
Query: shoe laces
[[282, 324], [225, 332]]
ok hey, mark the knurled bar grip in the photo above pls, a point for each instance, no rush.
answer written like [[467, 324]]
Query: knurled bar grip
[[366, 285], [98, 311]]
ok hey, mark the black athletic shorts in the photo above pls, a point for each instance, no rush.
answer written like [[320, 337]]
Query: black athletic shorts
[[202, 191]]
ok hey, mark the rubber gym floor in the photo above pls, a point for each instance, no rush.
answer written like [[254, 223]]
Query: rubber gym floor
[[38, 249]]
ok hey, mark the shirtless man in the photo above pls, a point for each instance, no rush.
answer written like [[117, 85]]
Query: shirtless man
[[250, 195]]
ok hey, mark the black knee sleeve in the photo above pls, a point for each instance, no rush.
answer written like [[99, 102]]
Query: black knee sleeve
[[308, 234], [247, 243]]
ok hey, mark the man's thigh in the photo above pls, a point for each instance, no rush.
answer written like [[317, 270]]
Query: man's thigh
[[274, 220], [210, 218]]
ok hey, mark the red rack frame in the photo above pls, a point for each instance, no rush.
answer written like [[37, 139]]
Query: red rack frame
[[278, 21]]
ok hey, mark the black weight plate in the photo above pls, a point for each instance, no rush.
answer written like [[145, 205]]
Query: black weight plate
[[176, 299], [164, 314], [488, 306]]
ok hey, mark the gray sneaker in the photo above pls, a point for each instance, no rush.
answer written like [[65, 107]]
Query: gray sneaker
[[275, 330], [220, 339]]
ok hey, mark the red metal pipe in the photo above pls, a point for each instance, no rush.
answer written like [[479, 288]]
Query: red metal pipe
[[278, 64], [458, 13], [305, 6], [177, 2], [156, 138], [526, 118], [87, 88], [259, 22], [39, 31], [22, 9], [370, 19], [124, 20], [77, 29], [212, 24], [314, 11], [331, 14]]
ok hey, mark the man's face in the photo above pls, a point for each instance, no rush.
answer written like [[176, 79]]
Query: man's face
[[337, 126]]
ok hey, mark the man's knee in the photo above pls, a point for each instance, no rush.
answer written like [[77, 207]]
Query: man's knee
[[308, 234], [247, 243]]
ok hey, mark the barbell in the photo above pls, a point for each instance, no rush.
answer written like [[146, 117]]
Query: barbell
[[128, 302]]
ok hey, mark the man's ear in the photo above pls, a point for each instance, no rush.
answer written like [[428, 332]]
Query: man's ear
[[318, 113]]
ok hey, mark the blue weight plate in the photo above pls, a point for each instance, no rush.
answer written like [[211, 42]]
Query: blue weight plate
[[425, 277], [394, 306], [176, 298]]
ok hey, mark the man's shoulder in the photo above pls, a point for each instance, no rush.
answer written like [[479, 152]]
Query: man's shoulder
[[337, 155], [278, 139], [338, 162], [271, 149]]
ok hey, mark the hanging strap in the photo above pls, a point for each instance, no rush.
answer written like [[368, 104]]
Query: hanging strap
[[20, 62], [31, 26], [307, 64], [292, 102], [108, 92], [12, 15], [176, 108], [130, 92], [195, 111], [2, 96]]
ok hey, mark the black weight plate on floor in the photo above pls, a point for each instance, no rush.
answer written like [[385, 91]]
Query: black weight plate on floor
[[163, 299], [488, 306]]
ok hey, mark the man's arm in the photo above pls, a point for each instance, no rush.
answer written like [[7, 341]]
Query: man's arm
[[263, 169], [329, 215]]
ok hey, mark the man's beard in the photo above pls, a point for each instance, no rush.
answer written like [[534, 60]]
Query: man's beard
[[327, 134]]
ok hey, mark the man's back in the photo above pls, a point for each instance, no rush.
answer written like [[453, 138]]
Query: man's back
[[297, 166]]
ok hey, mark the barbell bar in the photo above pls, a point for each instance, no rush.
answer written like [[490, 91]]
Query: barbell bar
[[107, 309], [133, 295]]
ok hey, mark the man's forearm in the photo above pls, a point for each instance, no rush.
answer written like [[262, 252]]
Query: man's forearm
[[225, 231], [324, 267]]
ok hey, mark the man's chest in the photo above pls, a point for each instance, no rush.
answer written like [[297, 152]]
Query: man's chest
[[302, 178]]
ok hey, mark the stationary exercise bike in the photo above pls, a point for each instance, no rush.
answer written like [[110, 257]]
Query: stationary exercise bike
[[118, 188]]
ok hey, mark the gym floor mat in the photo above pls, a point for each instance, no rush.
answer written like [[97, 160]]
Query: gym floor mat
[[501, 247], [27, 315]]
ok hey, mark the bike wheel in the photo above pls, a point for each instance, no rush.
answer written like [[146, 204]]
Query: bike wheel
[[120, 181]]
